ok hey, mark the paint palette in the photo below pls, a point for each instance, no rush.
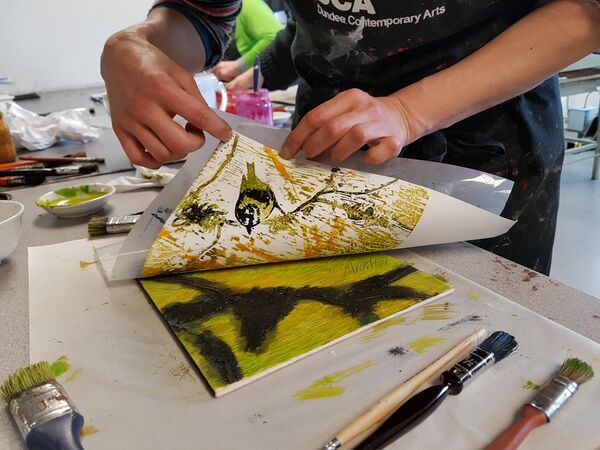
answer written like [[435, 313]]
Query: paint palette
[[76, 201]]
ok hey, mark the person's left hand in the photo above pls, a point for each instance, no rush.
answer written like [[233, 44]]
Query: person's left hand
[[244, 81], [226, 70], [348, 121]]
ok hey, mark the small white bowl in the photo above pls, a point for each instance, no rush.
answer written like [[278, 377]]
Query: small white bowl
[[280, 118], [81, 209], [10, 226]]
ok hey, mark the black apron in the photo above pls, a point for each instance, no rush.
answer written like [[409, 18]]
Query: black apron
[[380, 46]]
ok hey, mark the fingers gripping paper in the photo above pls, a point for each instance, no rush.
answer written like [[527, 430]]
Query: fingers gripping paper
[[248, 206]]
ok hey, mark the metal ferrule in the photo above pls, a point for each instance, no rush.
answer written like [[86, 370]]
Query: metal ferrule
[[555, 394], [462, 373], [39, 405], [68, 170], [122, 224], [333, 444]]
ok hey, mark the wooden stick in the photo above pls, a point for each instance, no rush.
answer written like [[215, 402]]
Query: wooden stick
[[396, 397]]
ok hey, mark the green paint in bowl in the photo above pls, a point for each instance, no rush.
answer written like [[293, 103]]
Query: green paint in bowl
[[70, 196]]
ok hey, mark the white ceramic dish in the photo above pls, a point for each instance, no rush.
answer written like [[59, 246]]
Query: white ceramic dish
[[280, 118], [81, 209], [10, 226]]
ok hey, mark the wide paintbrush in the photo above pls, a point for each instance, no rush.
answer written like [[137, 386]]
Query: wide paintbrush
[[495, 348], [546, 403]]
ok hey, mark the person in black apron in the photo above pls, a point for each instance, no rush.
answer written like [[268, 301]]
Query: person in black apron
[[373, 72], [521, 139]]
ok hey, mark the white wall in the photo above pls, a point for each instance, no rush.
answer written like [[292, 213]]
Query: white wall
[[56, 44]]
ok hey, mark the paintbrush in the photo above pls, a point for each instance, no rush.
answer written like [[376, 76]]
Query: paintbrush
[[21, 164], [42, 410], [546, 403], [75, 169], [396, 397], [62, 159], [494, 349], [101, 226], [28, 180]]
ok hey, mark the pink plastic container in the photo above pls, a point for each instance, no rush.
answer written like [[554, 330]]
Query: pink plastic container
[[254, 105]]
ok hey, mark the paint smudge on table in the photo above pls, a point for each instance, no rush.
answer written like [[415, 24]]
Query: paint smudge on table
[[380, 329], [530, 385], [398, 351], [85, 264], [327, 386], [440, 311], [73, 375], [469, 318], [257, 418], [86, 430], [424, 343], [474, 295]]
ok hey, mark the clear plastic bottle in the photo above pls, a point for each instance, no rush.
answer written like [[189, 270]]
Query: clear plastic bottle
[[7, 148], [255, 105]]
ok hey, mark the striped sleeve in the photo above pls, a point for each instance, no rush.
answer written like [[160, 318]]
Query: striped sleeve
[[212, 19]]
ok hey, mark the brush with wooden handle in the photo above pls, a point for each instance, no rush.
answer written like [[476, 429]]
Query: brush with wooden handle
[[546, 403], [494, 349], [394, 399]]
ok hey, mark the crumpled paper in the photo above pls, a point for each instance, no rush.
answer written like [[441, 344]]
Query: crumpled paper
[[35, 132], [144, 178]]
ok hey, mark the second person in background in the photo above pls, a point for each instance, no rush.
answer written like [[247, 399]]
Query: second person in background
[[255, 28]]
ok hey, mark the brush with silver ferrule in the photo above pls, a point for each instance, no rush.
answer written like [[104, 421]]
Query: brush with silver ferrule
[[42, 410], [494, 349], [101, 226], [546, 403]]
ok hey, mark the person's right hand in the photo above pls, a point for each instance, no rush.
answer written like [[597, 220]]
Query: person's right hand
[[146, 89]]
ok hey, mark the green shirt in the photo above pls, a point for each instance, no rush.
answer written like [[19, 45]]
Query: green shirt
[[255, 29]]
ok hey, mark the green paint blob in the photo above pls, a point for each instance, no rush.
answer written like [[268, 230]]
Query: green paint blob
[[423, 344], [85, 264], [70, 196], [60, 366], [530, 385], [326, 386]]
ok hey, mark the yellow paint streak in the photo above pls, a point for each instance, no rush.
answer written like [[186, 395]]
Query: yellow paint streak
[[337, 228], [474, 295], [423, 344], [86, 430], [85, 264], [313, 243], [73, 375], [290, 188], [327, 386], [258, 252], [439, 311]]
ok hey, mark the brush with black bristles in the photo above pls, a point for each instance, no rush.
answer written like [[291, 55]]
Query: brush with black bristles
[[573, 373], [101, 226], [495, 348], [43, 412]]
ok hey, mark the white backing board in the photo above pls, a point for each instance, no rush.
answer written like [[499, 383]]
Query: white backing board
[[131, 381]]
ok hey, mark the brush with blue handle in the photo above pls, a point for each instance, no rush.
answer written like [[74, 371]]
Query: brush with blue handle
[[43, 412], [495, 348]]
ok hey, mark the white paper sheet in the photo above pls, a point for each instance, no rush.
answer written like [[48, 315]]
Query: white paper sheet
[[131, 381], [446, 219]]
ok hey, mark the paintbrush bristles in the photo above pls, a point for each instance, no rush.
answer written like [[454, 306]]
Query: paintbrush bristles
[[97, 226], [576, 370], [500, 343], [26, 378]]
